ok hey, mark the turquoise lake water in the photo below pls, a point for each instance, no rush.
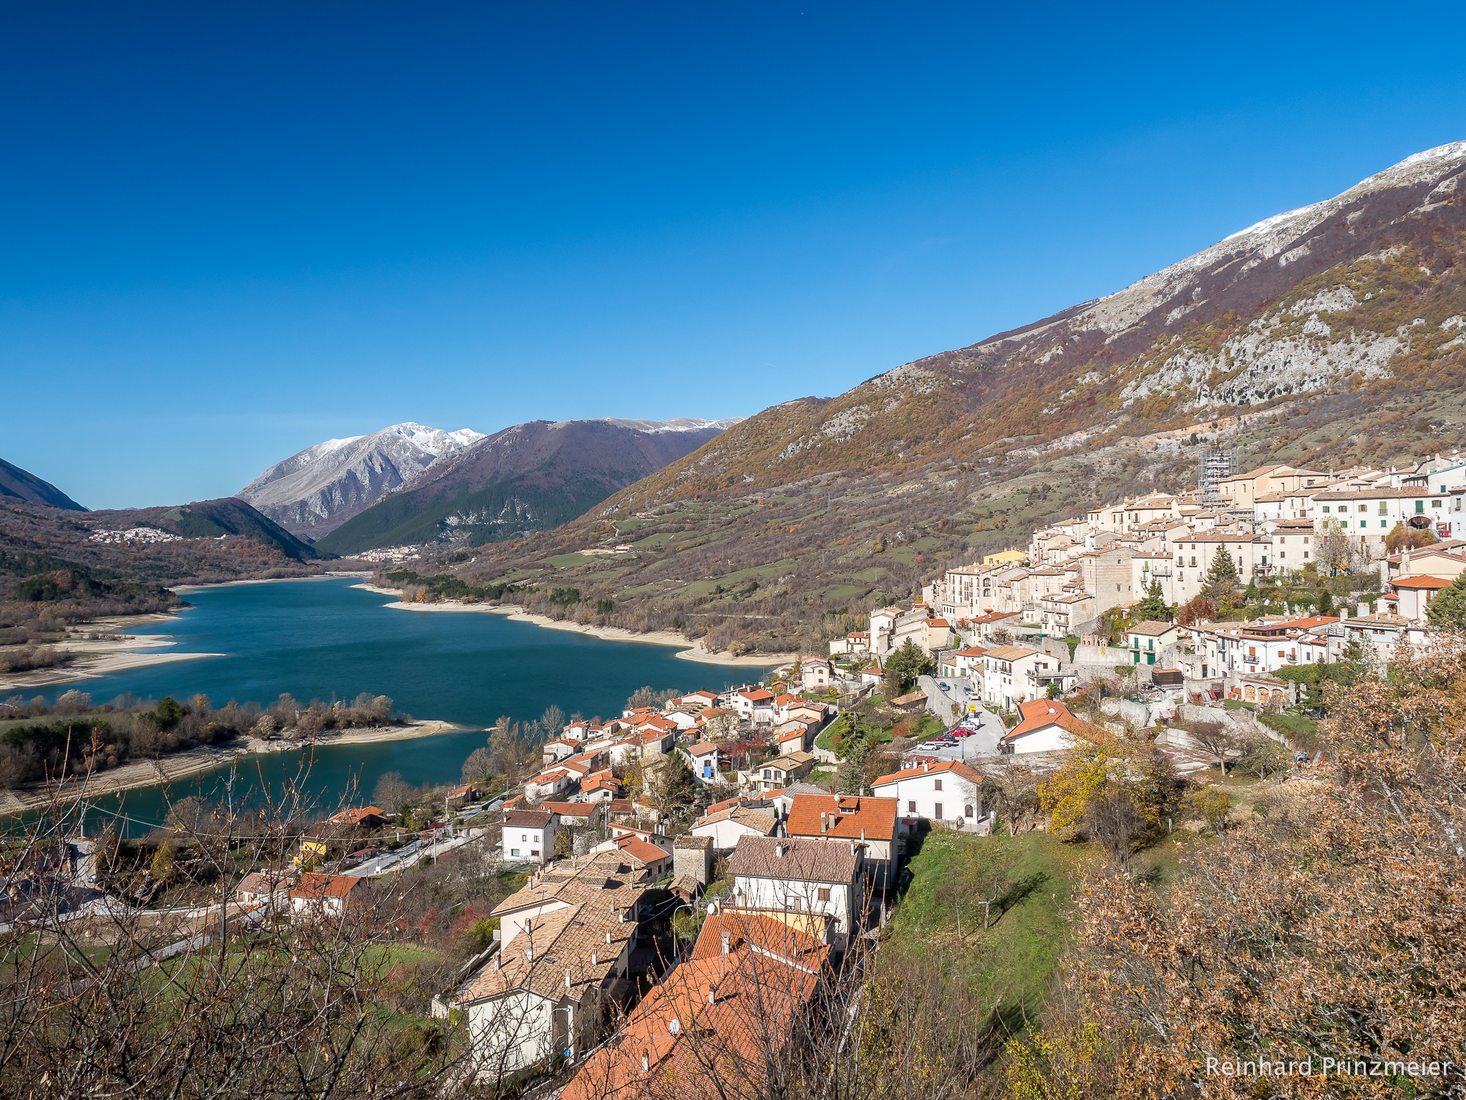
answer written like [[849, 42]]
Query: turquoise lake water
[[325, 639]]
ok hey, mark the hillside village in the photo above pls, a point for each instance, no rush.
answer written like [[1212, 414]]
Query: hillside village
[[1136, 617], [709, 856], [1210, 592]]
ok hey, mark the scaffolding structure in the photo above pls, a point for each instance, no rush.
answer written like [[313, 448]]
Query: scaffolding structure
[[1214, 464]]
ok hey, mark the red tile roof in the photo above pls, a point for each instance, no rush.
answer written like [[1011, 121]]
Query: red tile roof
[[727, 1010], [1422, 582], [945, 767], [643, 851], [1041, 713], [314, 886], [847, 817]]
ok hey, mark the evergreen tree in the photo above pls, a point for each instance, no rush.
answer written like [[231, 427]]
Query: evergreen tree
[[1153, 607], [1448, 609], [1222, 581], [904, 666]]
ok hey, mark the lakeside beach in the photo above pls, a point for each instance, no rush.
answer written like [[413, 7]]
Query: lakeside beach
[[136, 774], [687, 649], [94, 657]]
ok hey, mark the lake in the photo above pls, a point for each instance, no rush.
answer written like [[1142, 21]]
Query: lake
[[327, 639]]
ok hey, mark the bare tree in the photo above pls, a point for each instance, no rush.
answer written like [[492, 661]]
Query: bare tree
[[99, 996], [1218, 740]]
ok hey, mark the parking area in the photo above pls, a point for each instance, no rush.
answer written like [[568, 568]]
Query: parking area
[[973, 731]]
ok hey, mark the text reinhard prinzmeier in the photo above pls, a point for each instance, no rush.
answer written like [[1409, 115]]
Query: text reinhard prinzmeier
[[1328, 1067]]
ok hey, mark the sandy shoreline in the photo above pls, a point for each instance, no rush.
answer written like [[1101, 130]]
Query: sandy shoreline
[[92, 657], [182, 588], [688, 650], [181, 765]]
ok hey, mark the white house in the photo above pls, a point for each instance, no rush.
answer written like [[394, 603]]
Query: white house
[[754, 705], [566, 940], [1045, 725], [730, 822], [1149, 640], [528, 836], [816, 673], [1015, 673], [1366, 515], [872, 821], [707, 761], [318, 896], [821, 881], [779, 772], [1415, 594], [949, 791]]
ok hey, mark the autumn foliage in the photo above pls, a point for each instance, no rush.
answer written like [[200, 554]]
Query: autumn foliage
[[1331, 925]]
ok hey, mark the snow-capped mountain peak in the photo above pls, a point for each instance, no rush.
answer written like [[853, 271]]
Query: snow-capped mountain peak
[[317, 489], [676, 424]]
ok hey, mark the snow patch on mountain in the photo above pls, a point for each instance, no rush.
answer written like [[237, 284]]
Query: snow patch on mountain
[[317, 489]]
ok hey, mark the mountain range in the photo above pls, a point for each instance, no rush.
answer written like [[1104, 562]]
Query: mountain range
[[1330, 334], [18, 484], [316, 490], [61, 563], [528, 477]]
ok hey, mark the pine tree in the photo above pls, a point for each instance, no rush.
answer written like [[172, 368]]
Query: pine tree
[[1153, 607], [1221, 582]]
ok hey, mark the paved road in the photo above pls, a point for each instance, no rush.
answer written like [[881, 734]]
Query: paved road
[[410, 854], [948, 705]]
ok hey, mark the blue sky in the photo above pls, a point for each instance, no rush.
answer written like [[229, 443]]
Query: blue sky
[[233, 230]]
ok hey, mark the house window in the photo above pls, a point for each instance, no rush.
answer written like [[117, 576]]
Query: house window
[[939, 784], [937, 811], [911, 806], [513, 851], [967, 810], [824, 893]]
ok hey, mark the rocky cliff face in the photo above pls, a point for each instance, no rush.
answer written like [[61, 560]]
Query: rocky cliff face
[[1329, 334], [314, 491], [1357, 292]]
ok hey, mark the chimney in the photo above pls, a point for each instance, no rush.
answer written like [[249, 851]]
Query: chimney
[[712, 995], [567, 979], [529, 951], [645, 1064], [778, 851], [496, 962], [727, 942], [594, 959], [608, 937], [1363, 609]]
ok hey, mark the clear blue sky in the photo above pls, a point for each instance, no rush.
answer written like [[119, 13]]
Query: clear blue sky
[[232, 230]]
